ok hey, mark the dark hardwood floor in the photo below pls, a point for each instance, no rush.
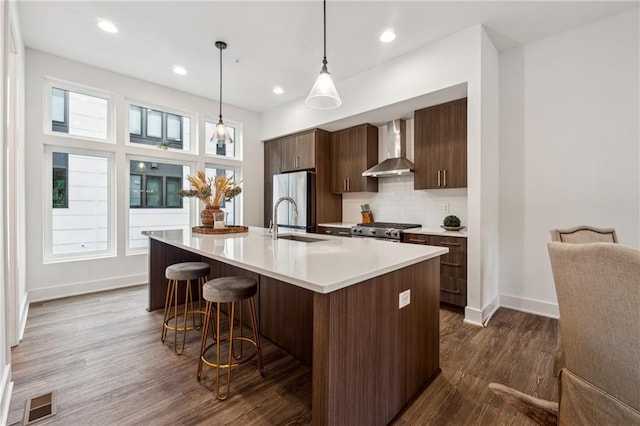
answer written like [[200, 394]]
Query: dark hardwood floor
[[102, 355]]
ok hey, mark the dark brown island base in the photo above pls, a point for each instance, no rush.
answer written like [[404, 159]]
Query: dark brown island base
[[336, 305]]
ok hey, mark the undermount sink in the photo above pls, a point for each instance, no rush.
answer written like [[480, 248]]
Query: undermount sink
[[300, 238]]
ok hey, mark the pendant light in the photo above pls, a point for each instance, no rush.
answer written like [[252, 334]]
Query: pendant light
[[323, 94], [221, 132]]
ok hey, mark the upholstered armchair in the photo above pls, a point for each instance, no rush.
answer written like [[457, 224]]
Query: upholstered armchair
[[582, 234], [598, 289]]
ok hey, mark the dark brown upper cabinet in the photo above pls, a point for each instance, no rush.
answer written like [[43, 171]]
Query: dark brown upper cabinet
[[440, 146], [353, 151]]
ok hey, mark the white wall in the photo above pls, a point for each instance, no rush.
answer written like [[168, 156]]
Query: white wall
[[5, 353], [569, 149], [455, 60], [46, 281], [13, 300]]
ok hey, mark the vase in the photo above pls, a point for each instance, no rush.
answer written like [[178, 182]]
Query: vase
[[210, 215]]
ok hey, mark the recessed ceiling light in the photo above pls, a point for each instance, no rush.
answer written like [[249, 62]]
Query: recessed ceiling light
[[388, 36], [278, 90], [107, 26], [179, 70]]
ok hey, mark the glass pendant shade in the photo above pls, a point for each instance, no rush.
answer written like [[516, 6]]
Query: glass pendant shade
[[222, 133], [323, 94]]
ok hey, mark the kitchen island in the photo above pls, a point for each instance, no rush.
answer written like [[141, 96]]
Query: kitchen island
[[335, 304]]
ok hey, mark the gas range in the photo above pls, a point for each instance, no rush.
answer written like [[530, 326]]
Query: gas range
[[386, 230]]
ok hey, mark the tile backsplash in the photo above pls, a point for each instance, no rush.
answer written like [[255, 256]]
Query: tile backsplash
[[397, 201]]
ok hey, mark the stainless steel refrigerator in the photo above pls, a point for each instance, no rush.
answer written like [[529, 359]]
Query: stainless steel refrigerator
[[300, 187]]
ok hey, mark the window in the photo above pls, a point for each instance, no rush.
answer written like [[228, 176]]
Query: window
[[221, 147], [154, 203], [80, 221], [78, 111], [230, 208], [154, 185], [159, 128]]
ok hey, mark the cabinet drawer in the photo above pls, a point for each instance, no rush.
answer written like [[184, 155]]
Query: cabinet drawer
[[454, 264], [415, 238], [453, 290], [331, 230], [452, 243]]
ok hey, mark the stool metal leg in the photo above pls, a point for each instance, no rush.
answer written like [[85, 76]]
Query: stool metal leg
[[167, 308], [203, 340], [256, 333], [224, 396]]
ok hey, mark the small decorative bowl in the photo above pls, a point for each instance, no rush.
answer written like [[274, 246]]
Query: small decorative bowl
[[452, 228]]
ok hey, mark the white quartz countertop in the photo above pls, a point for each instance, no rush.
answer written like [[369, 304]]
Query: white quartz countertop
[[424, 230], [323, 266]]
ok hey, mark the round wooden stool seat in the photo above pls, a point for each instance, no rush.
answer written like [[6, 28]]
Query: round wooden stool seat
[[175, 274], [229, 289], [187, 271]]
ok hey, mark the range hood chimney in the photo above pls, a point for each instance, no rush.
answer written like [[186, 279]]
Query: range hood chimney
[[395, 151]]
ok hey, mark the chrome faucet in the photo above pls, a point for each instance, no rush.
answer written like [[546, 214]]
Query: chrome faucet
[[275, 214]]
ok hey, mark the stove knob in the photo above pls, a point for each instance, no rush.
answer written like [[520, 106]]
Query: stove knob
[[395, 234], [373, 231], [388, 232]]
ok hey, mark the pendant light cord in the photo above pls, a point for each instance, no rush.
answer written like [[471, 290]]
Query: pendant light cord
[[220, 116], [324, 60]]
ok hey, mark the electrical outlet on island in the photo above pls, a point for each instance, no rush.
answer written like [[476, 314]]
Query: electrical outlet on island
[[404, 299], [445, 207]]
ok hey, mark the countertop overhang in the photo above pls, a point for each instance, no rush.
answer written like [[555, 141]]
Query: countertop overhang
[[322, 266]]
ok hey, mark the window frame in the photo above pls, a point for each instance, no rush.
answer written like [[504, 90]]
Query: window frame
[[165, 111], [47, 207], [50, 83]]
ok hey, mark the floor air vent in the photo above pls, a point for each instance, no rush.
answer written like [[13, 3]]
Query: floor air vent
[[39, 408]]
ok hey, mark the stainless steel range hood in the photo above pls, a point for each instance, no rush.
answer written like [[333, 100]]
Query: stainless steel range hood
[[395, 152]]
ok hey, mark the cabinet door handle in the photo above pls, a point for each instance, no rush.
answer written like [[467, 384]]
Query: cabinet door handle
[[415, 240], [444, 243], [444, 177], [344, 233], [344, 185], [446, 290], [348, 184], [439, 178], [327, 232], [457, 265]]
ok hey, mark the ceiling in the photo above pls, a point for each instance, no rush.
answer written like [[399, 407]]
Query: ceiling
[[277, 43]]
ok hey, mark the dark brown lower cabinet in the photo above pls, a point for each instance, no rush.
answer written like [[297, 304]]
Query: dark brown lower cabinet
[[453, 265]]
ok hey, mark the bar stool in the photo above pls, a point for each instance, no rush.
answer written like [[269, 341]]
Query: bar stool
[[176, 273], [229, 290]]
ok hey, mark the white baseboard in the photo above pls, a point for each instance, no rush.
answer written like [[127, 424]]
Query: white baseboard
[[57, 292], [24, 313], [6, 388], [472, 316], [531, 306], [480, 317]]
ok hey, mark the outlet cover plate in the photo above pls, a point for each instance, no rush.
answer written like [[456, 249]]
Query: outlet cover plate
[[404, 299]]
